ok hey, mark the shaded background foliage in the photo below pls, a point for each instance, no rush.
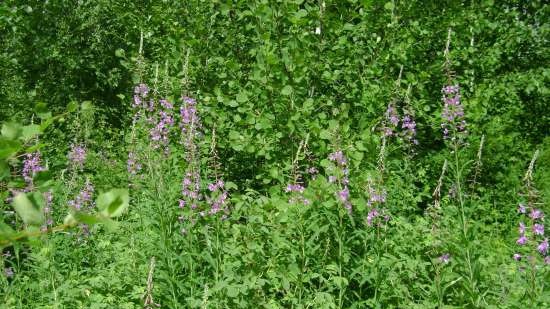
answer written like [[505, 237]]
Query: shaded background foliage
[[260, 68]]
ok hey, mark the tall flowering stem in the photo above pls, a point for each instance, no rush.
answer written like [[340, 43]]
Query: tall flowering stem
[[189, 126], [532, 243]]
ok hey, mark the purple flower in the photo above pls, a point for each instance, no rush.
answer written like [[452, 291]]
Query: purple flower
[[84, 199], [344, 194], [517, 256], [31, 166], [167, 105], [521, 208], [543, 246], [445, 258], [132, 164], [536, 214], [8, 272], [373, 213], [522, 240], [338, 157], [409, 125], [77, 155], [521, 228], [140, 93], [538, 229], [312, 170], [453, 112]]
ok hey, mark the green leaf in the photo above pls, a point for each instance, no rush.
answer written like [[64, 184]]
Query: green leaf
[[120, 53], [8, 148], [30, 131], [72, 106], [389, 6], [28, 209], [325, 134], [86, 218], [11, 130], [70, 220], [242, 97], [113, 203], [86, 105], [4, 170], [5, 230], [287, 90]]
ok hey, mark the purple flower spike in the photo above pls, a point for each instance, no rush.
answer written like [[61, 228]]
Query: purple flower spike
[[538, 229], [522, 240], [543, 246], [77, 155], [517, 256], [536, 214]]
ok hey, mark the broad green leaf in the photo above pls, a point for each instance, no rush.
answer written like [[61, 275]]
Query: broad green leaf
[[11, 130], [120, 53], [287, 90], [4, 169], [30, 131], [325, 134], [8, 147], [72, 106], [86, 105], [70, 220], [242, 97], [86, 218], [28, 209], [113, 203]]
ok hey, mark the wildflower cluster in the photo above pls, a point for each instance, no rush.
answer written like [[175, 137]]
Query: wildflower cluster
[[31, 165], [340, 176], [83, 201], [218, 198], [532, 232], [190, 122], [132, 164], [453, 122], [162, 123], [77, 155], [190, 190], [391, 125], [376, 200], [392, 120], [141, 93], [297, 191]]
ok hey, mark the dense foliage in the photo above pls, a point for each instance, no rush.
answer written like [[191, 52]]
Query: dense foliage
[[277, 154]]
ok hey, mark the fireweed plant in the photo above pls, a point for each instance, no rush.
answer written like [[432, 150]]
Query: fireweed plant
[[532, 254], [461, 244]]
